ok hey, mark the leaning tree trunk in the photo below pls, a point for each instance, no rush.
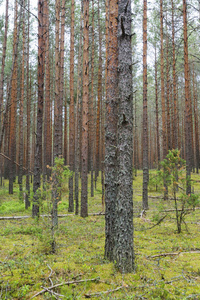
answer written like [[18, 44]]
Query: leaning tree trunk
[[123, 252]]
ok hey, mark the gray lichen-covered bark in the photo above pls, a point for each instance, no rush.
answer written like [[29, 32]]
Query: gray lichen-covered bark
[[123, 251]]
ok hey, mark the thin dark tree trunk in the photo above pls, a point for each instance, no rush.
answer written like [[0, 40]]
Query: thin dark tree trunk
[[145, 113], [196, 124], [78, 119], [175, 117], [85, 111], [21, 117], [13, 106], [188, 140], [157, 120], [38, 147], [91, 123], [71, 112], [28, 109], [57, 143]]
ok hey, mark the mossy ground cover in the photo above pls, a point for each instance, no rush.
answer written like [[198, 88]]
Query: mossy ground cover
[[27, 266]]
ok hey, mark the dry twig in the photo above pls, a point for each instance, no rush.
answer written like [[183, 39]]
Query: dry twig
[[64, 283]]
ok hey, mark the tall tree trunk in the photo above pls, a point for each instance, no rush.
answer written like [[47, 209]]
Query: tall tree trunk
[[111, 163], [145, 112], [38, 147], [164, 141], [78, 116], [168, 94], [188, 140], [98, 120], [164, 136], [91, 108], [196, 124], [21, 117], [28, 120], [123, 253], [57, 143], [13, 106], [175, 117], [3, 62], [71, 112], [47, 125], [157, 120], [135, 138], [84, 145]]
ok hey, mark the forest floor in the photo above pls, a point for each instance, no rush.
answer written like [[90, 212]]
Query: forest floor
[[167, 263]]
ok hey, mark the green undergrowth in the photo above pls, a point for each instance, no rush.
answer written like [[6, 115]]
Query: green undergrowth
[[27, 264]]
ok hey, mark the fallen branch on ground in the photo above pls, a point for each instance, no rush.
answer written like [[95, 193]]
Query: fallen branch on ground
[[155, 224], [64, 283], [104, 292], [173, 254]]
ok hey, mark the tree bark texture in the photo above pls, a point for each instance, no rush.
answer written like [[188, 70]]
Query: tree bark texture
[[164, 138], [188, 141], [111, 163], [38, 147], [71, 112], [13, 106], [123, 252], [145, 113], [85, 112]]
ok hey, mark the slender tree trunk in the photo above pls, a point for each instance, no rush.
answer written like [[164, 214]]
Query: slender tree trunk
[[164, 141], [78, 116], [145, 112], [168, 95], [84, 146], [188, 140], [3, 62], [111, 163], [71, 112], [196, 124], [21, 117], [91, 123], [98, 125], [48, 135], [164, 136], [28, 110], [135, 138], [175, 128], [123, 252], [13, 107], [56, 195], [157, 120], [38, 147]]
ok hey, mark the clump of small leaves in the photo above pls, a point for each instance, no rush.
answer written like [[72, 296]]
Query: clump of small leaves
[[52, 192], [173, 173]]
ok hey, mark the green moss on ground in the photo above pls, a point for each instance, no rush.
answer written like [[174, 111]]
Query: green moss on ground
[[26, 264]]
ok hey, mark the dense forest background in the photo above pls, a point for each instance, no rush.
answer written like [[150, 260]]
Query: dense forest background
[[99, 102]]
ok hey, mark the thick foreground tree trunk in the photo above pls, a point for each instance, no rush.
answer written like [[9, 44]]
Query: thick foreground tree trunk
[[123, 252]]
